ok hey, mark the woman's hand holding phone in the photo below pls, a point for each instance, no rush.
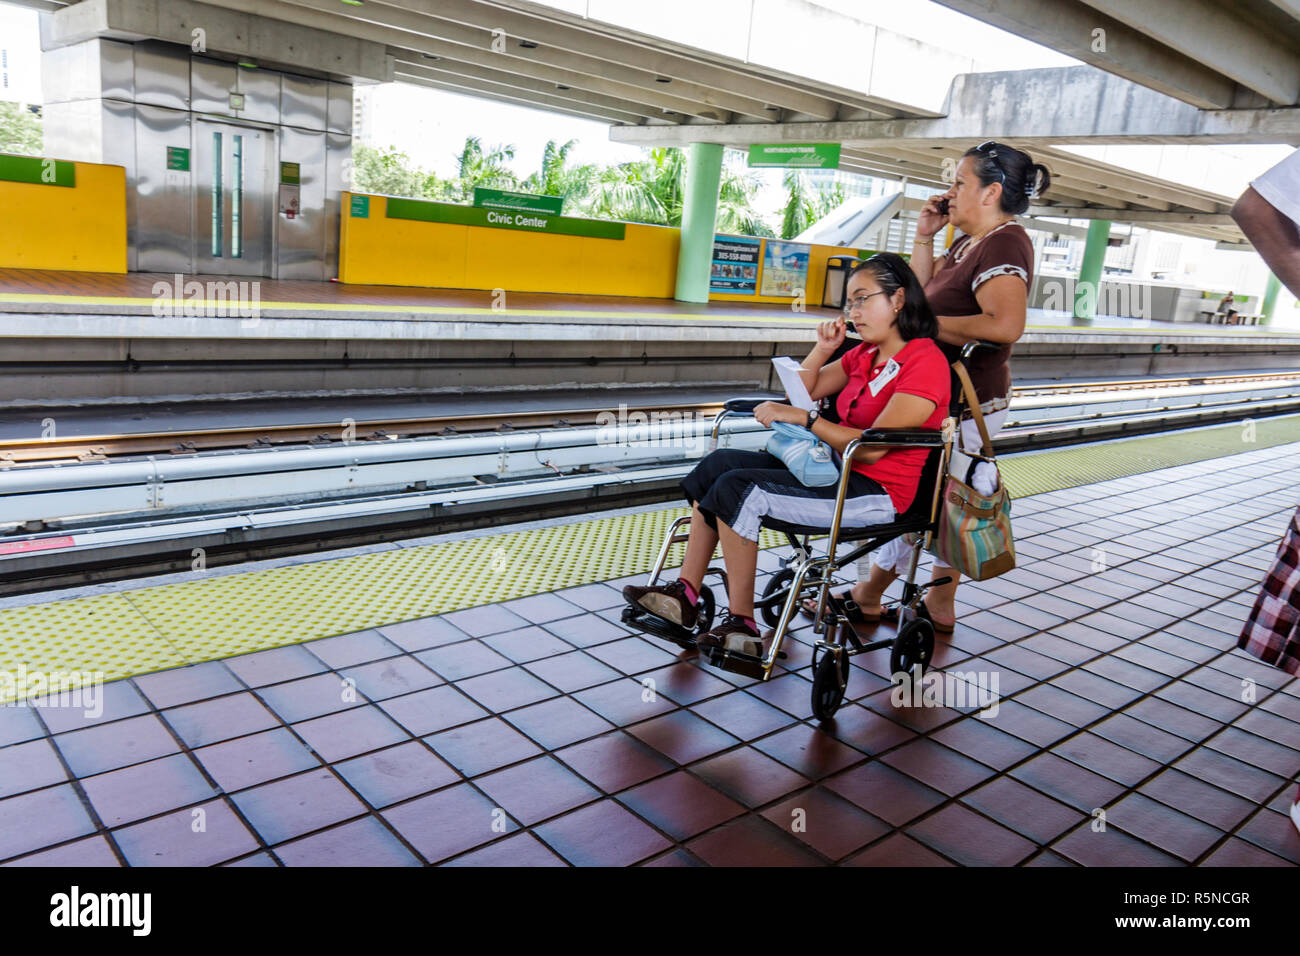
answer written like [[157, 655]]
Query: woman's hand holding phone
[[933, 216]]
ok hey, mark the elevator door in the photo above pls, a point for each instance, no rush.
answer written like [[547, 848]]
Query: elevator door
[[232, 199]]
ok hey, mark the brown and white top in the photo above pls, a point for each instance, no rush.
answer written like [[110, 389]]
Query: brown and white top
[[968, 264]]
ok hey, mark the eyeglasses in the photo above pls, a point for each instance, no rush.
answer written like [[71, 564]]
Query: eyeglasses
[[992, 154], [860, 302]]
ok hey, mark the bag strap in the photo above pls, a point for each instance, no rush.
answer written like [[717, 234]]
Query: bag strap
[[972, 399]]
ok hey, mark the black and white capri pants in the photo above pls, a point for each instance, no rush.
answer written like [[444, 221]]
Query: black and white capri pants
[[741, 488]]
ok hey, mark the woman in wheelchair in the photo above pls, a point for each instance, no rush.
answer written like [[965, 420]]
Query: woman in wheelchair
[[897, 378]]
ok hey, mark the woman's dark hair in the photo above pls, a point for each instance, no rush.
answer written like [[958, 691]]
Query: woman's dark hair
[[890, 270], [1020, 176]]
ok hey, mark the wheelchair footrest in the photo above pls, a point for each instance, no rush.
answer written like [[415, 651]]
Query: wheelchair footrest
[[736, 662], [645, 621]]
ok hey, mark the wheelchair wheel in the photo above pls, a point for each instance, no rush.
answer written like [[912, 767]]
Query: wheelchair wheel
[[777, 582], [707, 607], [830, 679], [914, 645]]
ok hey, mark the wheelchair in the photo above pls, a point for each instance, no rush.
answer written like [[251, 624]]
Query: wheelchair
[[807, 573]]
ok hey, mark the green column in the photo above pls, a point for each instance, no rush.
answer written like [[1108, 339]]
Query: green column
[[1270, 298], [699, 213], [1094, 257]]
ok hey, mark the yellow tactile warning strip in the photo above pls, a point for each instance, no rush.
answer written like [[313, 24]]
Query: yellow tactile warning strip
[[217, 307], [148, 629]]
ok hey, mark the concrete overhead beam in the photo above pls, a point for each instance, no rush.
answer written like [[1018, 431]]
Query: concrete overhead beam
[[690, 80], [1209, 33], [234, 33], [1143, 216], [1063, 105], [474, 44], [1068, 27], [1080, 167]]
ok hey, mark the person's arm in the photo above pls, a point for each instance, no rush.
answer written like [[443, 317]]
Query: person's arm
[[924, 263], [1004, 304], [1273, 234]]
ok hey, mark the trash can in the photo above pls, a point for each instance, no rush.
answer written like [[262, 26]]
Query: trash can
[[837, 278]]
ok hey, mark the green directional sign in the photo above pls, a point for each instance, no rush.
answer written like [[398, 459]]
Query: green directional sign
[[518, 202], [291, 173], [360, 207], [178, 157], [36, 169], [795, 155], [427, 211]]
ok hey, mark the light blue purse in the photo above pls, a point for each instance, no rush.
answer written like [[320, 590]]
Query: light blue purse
[[808, 458]]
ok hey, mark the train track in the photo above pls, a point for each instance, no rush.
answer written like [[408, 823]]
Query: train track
[[190, 441]]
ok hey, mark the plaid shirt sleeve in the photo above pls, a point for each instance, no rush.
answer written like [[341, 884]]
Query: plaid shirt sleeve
[[1272, 631]]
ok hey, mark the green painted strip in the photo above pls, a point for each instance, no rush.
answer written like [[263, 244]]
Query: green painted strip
[[425, 211], [38, 170]]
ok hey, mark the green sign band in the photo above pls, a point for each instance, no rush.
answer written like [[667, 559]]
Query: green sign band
[[36, 169], [795, 155], [517, 202], [178, 157], [427, 211]]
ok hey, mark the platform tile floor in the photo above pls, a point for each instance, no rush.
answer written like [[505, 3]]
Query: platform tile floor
[[541, 732]]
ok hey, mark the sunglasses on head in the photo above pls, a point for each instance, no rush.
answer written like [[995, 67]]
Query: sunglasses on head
[[988, 148]]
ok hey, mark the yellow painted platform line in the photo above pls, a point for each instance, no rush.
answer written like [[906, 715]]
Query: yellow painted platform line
[[147, 629], [218, 306]]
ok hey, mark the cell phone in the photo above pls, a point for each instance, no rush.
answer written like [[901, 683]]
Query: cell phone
[[943, 207]]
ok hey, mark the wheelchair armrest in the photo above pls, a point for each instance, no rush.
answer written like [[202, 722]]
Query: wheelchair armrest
[[902, 436], [744, 405]]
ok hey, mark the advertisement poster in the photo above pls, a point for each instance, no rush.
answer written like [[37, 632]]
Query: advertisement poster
[[735, 265], [785, 269]]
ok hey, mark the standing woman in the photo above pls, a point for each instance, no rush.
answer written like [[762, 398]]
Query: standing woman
[[979, 290]]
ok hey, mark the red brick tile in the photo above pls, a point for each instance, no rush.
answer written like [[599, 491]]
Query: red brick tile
[[884, 792], [1023, 809], [559, 722], [482, 746], [448, 822], [867, 730], [604, 834], [1071, 784], [810, 751], [614, 761], [751, 777], [970, 839], [1274, 832], [1240, 853], [522, 849], [977, 738], [937, 766], [1176, 833], [1198, 799], [829, 824], [1108, 759], [742, 715], [682, 736], [751, 841], [898, 850], [1111, 847], [681, 804], [505, 690], [536, 790]]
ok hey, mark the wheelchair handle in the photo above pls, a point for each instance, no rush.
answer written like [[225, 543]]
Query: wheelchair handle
[[744, 405], [970, 347]]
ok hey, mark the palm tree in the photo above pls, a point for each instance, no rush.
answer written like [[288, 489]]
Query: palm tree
[[557, 178], [478, 167]]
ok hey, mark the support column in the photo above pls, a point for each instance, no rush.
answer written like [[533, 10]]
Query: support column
[[1269, 302], [699, 214], [1094, 257]]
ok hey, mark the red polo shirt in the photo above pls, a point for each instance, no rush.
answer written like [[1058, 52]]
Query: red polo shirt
[[923, 371]]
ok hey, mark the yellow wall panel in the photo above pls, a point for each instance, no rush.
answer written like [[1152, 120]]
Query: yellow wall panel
[[79, 228]]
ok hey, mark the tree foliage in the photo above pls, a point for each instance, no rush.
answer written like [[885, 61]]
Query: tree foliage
[[20, 130]]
